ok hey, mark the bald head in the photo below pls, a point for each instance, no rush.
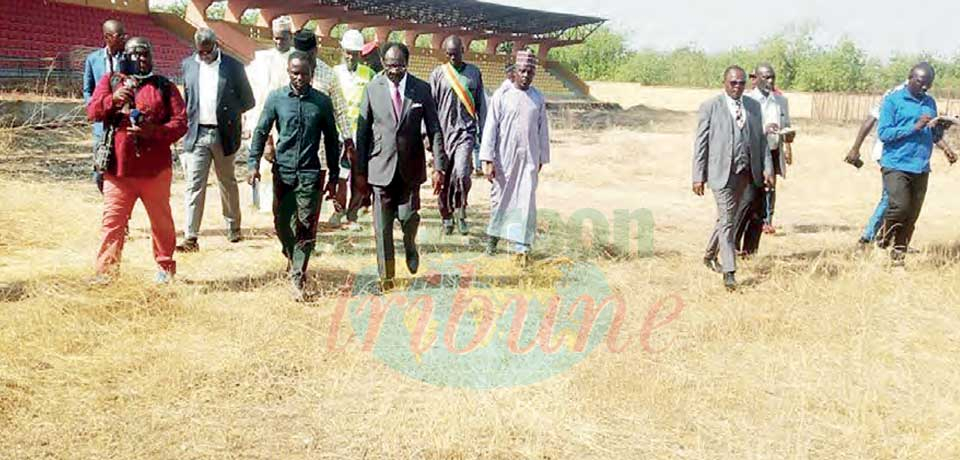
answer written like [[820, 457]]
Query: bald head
[[113, 26], [921, 79], [453, 48], [114, 36], [764, 78]]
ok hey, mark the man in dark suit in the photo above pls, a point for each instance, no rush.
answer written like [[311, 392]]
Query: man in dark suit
[[217, 94], [730, 154], [391, 156]]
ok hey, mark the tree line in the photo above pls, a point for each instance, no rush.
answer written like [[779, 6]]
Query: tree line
[[800, 63]]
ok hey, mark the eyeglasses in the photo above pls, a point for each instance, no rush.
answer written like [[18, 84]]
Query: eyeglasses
[[737, 82]]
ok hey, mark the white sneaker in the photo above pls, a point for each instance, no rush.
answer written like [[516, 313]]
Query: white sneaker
[[163, 277], [354, 227]]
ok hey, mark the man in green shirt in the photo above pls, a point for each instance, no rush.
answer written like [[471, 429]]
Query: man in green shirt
[[303, 117]]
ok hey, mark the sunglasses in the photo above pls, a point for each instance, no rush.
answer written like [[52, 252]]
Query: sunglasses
[[738, 82]]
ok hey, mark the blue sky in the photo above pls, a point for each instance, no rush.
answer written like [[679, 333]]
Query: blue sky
[[880, 27]]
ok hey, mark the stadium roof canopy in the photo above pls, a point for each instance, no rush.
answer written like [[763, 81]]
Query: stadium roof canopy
[[475, 15], [482, 17]]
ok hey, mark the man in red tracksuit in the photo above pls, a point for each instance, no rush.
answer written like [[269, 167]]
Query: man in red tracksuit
[[150, 115]]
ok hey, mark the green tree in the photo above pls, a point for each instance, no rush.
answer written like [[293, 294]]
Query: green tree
[[597, 58]]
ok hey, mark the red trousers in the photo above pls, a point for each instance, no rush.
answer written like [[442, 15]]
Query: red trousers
[[120, 194]]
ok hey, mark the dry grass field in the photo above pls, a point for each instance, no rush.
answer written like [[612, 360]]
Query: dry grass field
[[824, 352]]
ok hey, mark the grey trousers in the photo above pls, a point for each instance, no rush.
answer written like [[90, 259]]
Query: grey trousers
[[731, 203], [196, 165], [456, 180]]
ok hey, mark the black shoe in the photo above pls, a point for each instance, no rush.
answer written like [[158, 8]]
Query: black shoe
[[492, 245], [898, 258], [462, 222], [234, 236], [413, 259], [189, 245], [386, 285], [712, 265], [448, 226], [730, 281]]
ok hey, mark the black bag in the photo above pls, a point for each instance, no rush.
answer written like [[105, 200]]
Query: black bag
[[104, 155]]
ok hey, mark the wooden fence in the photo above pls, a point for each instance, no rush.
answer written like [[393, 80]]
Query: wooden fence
[[855, 107]]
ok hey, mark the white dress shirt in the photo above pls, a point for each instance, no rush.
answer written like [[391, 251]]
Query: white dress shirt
[[774, 110], [732, 106], [111, 61], [208, 85]]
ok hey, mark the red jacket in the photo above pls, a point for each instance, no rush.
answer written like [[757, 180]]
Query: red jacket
[[164, 122]]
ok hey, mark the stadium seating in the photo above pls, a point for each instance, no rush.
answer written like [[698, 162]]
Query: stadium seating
[[424, 60], [36, 33]]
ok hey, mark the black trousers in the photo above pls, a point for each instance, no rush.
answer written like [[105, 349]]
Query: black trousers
[[296, 208], [749, 224], [906, 193], [397, 201]]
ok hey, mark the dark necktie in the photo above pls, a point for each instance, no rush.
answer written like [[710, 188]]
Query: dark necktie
[[739, 117]]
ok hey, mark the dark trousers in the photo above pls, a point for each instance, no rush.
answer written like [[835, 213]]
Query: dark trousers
[[770, 194], [749, 227], [906, 193], [296, 209], [357, 200], [397, 201]]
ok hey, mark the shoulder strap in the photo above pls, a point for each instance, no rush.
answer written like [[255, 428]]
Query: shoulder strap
[[462, 92]]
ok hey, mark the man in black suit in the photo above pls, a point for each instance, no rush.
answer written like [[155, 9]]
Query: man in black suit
[[217, 95], [391, 156]]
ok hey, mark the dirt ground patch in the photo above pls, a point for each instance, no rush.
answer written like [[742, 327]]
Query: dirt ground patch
[[823, 353]]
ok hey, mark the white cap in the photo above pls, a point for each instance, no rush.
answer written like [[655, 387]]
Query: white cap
[[283, 24], [352, 40]]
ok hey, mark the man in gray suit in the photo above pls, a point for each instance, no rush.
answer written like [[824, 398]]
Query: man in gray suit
[[217, 93], [729, 154], [391, 158]]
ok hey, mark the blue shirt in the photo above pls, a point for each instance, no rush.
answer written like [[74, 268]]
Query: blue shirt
[[905, 148]]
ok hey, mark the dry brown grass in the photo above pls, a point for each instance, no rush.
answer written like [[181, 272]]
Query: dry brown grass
[[824, 352]]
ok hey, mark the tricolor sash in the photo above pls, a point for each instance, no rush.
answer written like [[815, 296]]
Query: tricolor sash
[[460, 88]]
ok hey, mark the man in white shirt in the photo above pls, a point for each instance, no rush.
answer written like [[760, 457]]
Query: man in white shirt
[[217, 95], [775, 112]]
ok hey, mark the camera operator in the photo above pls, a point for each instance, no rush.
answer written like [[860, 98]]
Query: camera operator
[[148, 115]]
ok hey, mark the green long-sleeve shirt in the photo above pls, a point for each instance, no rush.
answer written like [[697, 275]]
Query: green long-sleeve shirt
[[301, 121]]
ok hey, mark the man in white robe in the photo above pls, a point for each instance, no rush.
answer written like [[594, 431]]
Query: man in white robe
[[515, 146], [266, 73]]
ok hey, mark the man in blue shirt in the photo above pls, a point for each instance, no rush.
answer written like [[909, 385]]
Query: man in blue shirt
[[106, 60], [908, 132]]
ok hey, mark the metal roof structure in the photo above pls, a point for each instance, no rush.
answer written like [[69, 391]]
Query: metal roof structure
[[468, 15], [474, 15]]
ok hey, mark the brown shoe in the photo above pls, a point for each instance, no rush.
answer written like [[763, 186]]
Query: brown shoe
[[188, 245]]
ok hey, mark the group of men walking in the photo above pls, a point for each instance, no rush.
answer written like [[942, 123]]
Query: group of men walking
[[743, 142], [323, 131]]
